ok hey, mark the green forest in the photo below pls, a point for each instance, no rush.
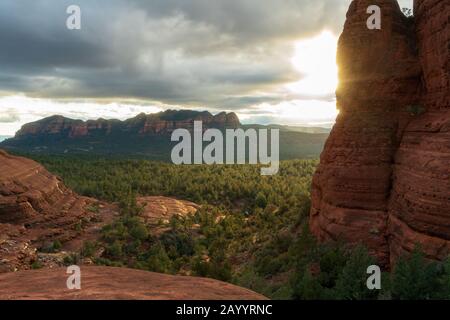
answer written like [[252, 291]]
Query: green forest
[[251, 230]]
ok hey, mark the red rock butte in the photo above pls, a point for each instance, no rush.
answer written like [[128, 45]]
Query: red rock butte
[[384, 175]]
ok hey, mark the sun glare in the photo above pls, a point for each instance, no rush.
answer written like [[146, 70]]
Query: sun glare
[[315, 60]]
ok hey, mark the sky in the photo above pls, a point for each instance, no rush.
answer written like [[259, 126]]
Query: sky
[[270, 61]]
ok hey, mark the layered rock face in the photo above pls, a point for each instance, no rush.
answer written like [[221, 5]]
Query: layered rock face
[[144, 124], [384, 178], [36, 209], [419, 207], [27, 190]]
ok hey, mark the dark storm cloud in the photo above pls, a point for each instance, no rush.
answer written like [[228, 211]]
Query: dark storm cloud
[[199, 52]]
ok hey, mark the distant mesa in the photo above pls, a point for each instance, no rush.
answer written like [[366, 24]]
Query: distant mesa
[[143, 124], [146, 135]]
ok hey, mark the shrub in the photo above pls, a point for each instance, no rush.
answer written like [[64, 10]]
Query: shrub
[[115, 250], [414, 278], [308, 287], [72, 259], [139, 232], [159, 261], [332, 260], [261, 200], [52, 247], [88, 249]]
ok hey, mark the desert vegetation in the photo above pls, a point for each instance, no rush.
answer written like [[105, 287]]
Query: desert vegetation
[[251, 230]]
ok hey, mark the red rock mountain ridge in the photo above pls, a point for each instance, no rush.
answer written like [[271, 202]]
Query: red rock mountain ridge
[[143, 124], [384, 176]]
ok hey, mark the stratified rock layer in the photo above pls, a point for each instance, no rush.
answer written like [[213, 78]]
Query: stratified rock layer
[[27, 190], [384, 177], [37, 210], [419, 207]]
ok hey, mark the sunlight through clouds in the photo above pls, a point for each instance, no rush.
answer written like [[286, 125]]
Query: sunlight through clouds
[[315, 60], [208, 55]]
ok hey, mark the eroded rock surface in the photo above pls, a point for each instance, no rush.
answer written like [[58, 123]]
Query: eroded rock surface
[[384, 176], [158, 208], [38, 210], [106, 283]]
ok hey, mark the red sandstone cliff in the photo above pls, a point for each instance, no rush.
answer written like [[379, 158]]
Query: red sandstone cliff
[[384, 176]]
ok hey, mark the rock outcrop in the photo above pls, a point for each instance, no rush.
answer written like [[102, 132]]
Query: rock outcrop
[[162, 123], [28, 190], [38, 210], [157, 209], [384, 176], [106, 283]]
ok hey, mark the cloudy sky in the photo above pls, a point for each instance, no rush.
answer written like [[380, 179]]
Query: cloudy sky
[[270, 61]]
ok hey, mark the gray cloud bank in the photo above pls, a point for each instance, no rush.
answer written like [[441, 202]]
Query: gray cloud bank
[[216, 54]]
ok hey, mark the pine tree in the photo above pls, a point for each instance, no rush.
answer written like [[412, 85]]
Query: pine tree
[[308, 288], [352, 282], [414, 278]]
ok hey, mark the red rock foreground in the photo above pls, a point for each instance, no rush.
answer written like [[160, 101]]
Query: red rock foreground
[[384, 176], [107, 283]]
